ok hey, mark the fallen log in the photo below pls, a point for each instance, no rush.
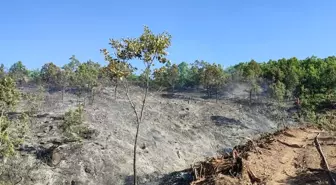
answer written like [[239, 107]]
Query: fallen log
[[324, 160], [290, 145]]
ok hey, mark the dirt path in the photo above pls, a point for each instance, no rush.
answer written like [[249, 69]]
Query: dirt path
[[289, 157]]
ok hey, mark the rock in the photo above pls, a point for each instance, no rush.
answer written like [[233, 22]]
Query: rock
[[39, 135], [143, 146], [56, 157], [87, 169]]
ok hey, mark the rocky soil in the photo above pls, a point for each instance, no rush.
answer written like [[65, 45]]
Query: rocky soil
[[177, 131], [286, 157]]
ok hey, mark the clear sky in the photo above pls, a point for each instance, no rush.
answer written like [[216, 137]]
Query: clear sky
[[221, 31]]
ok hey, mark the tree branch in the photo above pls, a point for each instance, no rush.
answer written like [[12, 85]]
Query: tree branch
[[324, 160], [130, 100], [146, 92]]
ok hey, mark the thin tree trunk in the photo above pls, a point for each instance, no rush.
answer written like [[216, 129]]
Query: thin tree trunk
[[92, 94], [216, 95], [84, 100], [116, 90], [208, 90], [250, 96], [134, 154], [62, 94], [139, 120]]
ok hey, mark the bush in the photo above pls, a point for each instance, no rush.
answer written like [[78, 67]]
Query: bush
[[9, 95], [12, 130], [327, 120], [73, 126], [12, 134]]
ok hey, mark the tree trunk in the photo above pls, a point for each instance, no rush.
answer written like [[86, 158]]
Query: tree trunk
[[62, 94], [209, 93], [216, 95], [84, 100], [92, 95], [134, 154], [250, 96], [139, 120], [116, 91]]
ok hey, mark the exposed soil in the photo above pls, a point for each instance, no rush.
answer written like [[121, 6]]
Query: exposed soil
[[286, 157]]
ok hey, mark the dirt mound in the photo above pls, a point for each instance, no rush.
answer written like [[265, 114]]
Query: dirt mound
[[289, 156]]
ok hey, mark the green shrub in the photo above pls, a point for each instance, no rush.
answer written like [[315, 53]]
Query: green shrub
[[73, 126], [327, 120], [9, 95], [12, 130], [12, 133]]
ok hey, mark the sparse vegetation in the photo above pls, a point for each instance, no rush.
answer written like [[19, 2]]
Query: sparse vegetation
[[34, 101], [311, 80]]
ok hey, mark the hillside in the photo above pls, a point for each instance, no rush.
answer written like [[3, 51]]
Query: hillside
[[142, 114], [177, 131]]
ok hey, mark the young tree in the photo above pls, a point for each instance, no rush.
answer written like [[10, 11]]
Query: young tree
[[213, 77], [9, 95], [67, 74], [160, 77], [87, 78], [12, 132], [149, 48], [73, 64], [35, 76], [167, 76], [63, 80], [252, 72], [112, 71], [50, 74], [172, 75], [18, 72], [2, 71], [184, 75], [278, 90]]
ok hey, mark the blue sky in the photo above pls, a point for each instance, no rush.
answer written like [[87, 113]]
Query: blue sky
[[226, 32]]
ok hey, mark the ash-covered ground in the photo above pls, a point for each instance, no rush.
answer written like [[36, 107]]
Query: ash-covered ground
[[177, 130]]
